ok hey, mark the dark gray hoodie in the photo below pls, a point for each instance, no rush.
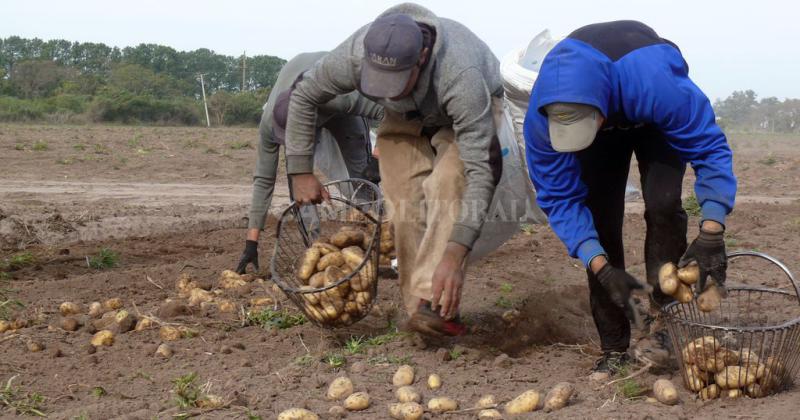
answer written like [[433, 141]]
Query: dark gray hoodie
[[455, 89]]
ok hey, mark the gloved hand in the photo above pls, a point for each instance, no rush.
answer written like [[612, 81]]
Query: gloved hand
[[708, 249], [619, 285], [250, 255]]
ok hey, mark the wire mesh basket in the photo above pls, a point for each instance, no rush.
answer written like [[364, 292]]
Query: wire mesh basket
[[342, 284], [748, 345]]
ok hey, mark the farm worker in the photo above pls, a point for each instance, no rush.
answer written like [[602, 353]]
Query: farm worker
[[345, 117], [440, 160], [605, 92]]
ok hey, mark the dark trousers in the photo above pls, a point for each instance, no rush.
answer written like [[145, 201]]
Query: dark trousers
[[604, 168]]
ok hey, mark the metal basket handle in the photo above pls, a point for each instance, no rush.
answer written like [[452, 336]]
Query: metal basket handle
[[773, 260]]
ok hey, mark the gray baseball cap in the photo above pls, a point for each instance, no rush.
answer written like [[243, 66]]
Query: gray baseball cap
[[392, 46], [573, 127]]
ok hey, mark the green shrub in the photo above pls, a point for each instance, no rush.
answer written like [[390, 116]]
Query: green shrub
[[122, 106]]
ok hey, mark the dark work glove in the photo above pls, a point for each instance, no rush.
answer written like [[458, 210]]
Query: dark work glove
[[250, 255], [619, 285], [708, 249]]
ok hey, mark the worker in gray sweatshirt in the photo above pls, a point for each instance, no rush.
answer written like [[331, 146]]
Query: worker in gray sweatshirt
[[347, 119], [440, 157]]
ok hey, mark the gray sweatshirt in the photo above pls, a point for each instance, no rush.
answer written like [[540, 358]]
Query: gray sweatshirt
[[455, 89], [268, 157]]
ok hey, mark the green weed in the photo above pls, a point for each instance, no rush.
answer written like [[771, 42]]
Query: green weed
[[691, 206], [629, 388], [527, 228], [65, 161], [282, 319], [239, 145], [506, 288], [104, 259], [304, 360], [12, 399], [503, 302], [334, 360], [102, 149], [79, 147], [40, 146], [186, 391], [769, 160], [355, 345], [98, 391], [18, 261], [19, 147], [454, 354]]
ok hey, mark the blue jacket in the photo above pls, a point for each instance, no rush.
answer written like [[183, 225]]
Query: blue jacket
[[631, 74]]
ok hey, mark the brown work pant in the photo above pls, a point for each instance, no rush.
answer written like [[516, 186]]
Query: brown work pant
[[423, 181]]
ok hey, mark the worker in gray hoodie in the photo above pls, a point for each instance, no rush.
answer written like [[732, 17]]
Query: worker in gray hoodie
[[441, 90], [346, 117]]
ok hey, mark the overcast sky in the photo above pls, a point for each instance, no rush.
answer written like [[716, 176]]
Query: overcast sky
[[730, 45]]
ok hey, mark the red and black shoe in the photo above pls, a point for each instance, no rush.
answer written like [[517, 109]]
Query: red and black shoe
[[429, 322]]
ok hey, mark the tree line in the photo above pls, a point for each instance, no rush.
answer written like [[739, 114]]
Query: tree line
[[742, 110], [60, 80]]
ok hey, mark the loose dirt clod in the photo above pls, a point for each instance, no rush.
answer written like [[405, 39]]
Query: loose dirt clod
[[69, 324], [337, 412], [34, 346]]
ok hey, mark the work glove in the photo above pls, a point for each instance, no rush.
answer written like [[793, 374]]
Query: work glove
[[250, 255], [619, 285], [708, 250]]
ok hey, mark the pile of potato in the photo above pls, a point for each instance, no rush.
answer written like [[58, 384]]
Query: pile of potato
[[710, 369], [325, 298], [678, 284], [387, 251]]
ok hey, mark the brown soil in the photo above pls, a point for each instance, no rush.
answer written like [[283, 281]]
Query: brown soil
[[173, 208]]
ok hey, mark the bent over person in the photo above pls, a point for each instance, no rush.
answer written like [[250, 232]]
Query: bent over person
[[345, 117], [440, 157], [608, 91]]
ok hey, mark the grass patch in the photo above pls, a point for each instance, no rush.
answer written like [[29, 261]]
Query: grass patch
[[506, 287], [65, 161], [102, 149], [355, 345], [19, 147], [13, 399], [304, 360], [18, 261], [98, 391], [629, 388], [527, 228], [79, 147], [392, 334], [454, 353], [768, 161], [239, 145], [186, 391], [40, 146], [691, 206], [282, 319], [104, 259], [334, 360], [504, 302]]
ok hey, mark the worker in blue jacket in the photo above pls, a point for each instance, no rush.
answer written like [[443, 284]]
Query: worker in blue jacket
[[607, 91]]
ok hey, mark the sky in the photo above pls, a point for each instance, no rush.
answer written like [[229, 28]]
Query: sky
[[729, 45]]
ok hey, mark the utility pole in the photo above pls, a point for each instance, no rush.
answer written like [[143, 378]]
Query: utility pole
[[205, 103], [244, 69]]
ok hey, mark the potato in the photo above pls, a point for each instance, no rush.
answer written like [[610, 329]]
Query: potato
[[403, 376], [105, 321], [710, 392], [168, 333], [4, 326], [210, 402], [313, 312], [230, 280], [731, 358], [346, 238], [96, 309], [683, 294], [735, 377], [353, 255], [489, 414], [747, 356], [690, 274], [734, 393], [710, 299], [112, 304], [486, 401], [384, 260], [757, 369], [558, 397], [339, 388], [406, 411], [665, 392], [693, 382], [668, 279], [225, 305], [325, 248], [144, 324], [164, 350], [199, 296], [332, 259], [363, 298], [351, 307], [69, 308], [705, 345], [775, 366], [712, 363], [386, 246], [407, 393], [357, 401], [695, 371], [297, 414], [434, 381], [308, 263], [124, 321], [344, 319], [317, 281], [524, 403], [331, 305], [334, 274], [103, 338], [184, 284], [442, 404], [312, 298]]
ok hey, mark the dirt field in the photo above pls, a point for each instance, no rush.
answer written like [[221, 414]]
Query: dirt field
[[172, 201]]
